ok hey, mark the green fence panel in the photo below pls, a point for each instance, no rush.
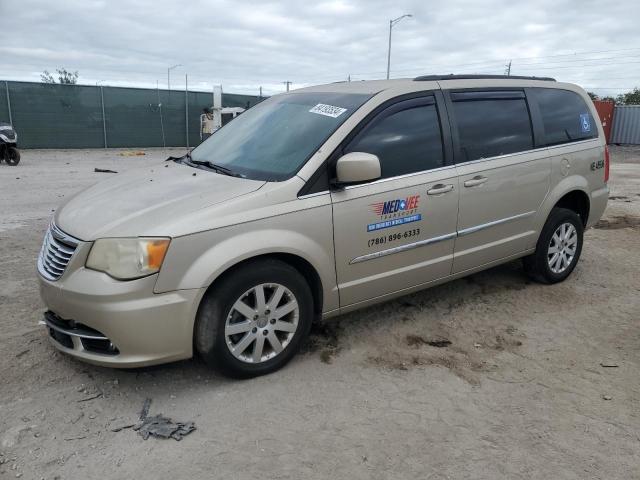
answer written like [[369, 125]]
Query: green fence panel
[[4, 108], [132, 117], [71, 116], [56, 116]]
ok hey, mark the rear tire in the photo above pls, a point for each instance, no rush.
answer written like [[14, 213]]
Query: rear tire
[[12, 156], [255, 319], [558, 248]]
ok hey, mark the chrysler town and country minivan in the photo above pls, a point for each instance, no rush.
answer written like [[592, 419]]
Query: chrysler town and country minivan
[[318, 202]]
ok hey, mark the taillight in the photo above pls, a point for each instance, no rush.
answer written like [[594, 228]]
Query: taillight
[[606, 164]]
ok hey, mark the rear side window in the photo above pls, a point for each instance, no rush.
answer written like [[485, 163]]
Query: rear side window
[[565, 116], [406, 137], [492, 124]]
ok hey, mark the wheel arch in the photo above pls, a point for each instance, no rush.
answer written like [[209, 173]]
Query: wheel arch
[[303, 266], [577, 201], [572, 193]]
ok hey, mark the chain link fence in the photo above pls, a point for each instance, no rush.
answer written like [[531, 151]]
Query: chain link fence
[[80, 116]]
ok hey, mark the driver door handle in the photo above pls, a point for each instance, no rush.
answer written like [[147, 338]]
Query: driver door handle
[[475, 181], [439, 189]]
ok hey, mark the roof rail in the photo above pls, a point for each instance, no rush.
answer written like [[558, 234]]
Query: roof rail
[[451, 76]]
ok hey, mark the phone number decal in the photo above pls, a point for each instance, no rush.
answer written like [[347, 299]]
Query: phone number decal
[[393, 237]]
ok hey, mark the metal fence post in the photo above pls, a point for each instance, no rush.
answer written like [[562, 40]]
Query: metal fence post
[[164, 142], [6, 85], [186, 107], [104, 120]]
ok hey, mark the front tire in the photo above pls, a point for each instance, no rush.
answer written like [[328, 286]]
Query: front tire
[[255, 319], [558, 249], [12, 156]]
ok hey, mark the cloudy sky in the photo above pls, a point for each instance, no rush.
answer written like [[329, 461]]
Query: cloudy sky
[[247, 44]]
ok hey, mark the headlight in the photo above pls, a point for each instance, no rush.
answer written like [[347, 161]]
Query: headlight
[[128, 258]]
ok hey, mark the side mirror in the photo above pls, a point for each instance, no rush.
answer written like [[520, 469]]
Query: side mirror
[[357, 167]]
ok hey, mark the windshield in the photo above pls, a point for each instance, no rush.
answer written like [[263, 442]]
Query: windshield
[[272, 140]]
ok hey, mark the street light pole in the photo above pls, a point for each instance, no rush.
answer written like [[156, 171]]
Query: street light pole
[[391, 24], [169, 75]]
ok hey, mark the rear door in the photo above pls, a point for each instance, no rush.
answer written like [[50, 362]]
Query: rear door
[[503, 176], [398, 231]]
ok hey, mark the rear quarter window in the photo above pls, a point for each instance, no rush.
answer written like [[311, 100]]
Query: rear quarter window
[[565, 116], [491, 124]]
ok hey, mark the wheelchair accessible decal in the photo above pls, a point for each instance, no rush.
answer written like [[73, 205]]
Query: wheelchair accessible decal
[[585, 123], [395, 212]]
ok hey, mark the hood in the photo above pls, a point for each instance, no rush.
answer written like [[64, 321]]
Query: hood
[[145, 201]]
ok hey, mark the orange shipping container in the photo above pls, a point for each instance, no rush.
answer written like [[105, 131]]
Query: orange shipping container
[[605, 112]]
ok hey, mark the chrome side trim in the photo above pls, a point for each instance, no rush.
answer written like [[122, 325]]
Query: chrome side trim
[[402, 248], [441, 238], [477, 228], [316, 194]]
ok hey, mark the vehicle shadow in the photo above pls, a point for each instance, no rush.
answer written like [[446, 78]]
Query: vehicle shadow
[[418, 321]]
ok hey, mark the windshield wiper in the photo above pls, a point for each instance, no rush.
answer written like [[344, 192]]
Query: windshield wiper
[[213, 166]]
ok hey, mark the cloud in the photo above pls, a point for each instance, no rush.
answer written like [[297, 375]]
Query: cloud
[[245, 44]]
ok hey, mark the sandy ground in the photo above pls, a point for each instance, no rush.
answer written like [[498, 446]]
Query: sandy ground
[[520, 392]]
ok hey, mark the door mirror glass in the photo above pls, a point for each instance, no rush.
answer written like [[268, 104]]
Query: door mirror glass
[[357, 167]]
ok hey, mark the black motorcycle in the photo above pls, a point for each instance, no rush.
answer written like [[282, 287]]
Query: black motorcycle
[[9, 145]]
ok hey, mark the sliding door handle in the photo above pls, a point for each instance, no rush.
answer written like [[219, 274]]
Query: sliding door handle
[[439, 189], [475, 181]]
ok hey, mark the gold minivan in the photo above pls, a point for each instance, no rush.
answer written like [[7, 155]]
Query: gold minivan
[[318, 202]]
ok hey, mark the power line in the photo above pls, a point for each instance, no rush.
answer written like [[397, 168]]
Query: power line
[[573, 60], [579, 66], [500, 62]]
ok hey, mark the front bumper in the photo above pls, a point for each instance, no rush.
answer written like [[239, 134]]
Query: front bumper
[[118, 324]]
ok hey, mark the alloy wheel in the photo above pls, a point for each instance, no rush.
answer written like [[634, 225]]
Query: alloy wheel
[[562, 248], [261, 323]]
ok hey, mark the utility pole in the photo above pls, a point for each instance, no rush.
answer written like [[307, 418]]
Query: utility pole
[[104, 119], [260, 91], [287, 83], [349, 78], [507, 70], [391, 24], [164, 142], [186, 108], [169, 75]]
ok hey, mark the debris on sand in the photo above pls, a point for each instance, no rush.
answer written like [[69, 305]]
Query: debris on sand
[[163, 427], [608, 365], [122, 426], [135, 153], [92, 397], [145, 408], [103, 170], [160, 426], [417, 340]]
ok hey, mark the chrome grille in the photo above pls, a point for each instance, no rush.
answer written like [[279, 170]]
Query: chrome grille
[[57, 250]]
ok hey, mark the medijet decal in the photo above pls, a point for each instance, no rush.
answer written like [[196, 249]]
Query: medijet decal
[[395, 212]]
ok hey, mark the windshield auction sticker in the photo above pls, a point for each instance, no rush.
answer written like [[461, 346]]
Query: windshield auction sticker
[[328, 110]]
